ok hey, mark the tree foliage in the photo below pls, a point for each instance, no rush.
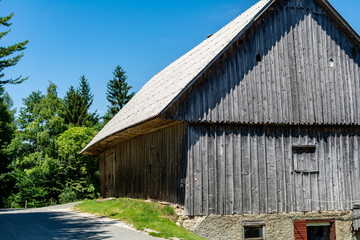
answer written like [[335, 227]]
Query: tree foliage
[[6, 53], [118, 92], [8, 58], [39, 150], [45, 163], [77, 103], [6, 134], [81, 171]]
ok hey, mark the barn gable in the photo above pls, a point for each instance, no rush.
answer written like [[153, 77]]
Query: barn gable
[[294, 65], [165, 86], [153, 106]]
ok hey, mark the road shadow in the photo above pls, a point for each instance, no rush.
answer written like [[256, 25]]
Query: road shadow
[[50, 225]]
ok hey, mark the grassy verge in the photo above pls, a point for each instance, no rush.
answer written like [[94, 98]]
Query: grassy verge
[[142, 215]]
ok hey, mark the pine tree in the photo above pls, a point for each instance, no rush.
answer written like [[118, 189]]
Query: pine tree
[[7, 128], [117, 93], [5, 53], [77, 104], [72, 106]]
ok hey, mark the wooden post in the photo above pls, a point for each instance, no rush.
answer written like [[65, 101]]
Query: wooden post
[[25, 204]]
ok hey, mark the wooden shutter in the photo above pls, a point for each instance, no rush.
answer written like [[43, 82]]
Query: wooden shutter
[[300, 230]]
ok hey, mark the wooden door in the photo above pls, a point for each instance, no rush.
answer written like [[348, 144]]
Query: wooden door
[[305, 170]]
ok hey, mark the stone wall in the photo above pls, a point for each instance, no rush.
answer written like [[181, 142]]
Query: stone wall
[[277, 226]]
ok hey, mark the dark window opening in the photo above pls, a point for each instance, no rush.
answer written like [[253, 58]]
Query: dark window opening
[[258, 58], [240, 43], [253, 232], [318, 232], [301, 149]]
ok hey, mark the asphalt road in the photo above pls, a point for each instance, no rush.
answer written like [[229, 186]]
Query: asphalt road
[[58, 222]]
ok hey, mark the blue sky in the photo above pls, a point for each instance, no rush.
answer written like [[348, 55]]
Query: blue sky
[[70, 38]]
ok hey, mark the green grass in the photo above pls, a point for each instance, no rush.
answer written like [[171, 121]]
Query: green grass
[[142, 215]]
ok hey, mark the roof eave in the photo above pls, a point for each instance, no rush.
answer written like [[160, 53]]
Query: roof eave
[[144, 127]]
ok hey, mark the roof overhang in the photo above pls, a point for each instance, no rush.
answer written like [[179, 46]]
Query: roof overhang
[[148, 126]]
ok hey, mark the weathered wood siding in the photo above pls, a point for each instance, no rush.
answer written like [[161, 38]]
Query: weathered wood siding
[[250, 169], [294, 83], [147, 166], [107, 163]]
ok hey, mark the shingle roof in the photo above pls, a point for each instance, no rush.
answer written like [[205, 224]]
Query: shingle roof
[[164, 87]]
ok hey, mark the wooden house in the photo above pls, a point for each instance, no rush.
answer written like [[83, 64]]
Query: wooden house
[[261, 119]]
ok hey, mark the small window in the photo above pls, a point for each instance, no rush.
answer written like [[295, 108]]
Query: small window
[[254, 231], [258, 58], [305, 159]]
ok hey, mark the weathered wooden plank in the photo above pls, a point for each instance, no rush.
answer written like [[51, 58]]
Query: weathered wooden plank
[[102, 174], [229, 168], [212, 171], [258, 113], [262, 170], [271, 173], [220, 141], [188, 190], [245, 172], [205, 172], [308, 58], [234, 87], [300, 51], [280, 172], [237, 171], [348, 170], [197, 177], [254, 172]]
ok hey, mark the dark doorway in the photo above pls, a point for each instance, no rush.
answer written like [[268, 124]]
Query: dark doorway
[[318, 231]]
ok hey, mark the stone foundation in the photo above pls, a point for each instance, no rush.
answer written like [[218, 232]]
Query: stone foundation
[[277, 226]]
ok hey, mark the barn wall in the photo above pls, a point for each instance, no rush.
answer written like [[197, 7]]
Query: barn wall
[[250, 170], [293, 83], [107, 173], [147, 166], [277, 226]]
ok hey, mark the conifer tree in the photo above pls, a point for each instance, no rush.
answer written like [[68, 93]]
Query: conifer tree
[[77, 104], [117, 92], [6, 58], [6, 133]]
